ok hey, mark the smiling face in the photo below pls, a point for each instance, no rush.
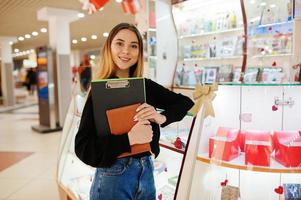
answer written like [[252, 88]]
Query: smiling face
[[125, 51]]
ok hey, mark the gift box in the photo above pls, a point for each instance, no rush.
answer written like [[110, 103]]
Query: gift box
[[258, 148], [224, 146], [241, 140], [287, 148]]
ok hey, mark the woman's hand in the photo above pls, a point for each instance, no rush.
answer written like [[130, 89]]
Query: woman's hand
[[148, 112], [141, 133]]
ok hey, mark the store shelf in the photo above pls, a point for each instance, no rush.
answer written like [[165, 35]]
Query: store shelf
[[211, 33], [238, 163], [170, 147], [211, 59], [151, 30], [275, 24], [272, 56]]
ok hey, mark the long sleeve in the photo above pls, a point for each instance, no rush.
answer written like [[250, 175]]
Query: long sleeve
[[94, 150], [175, 105]]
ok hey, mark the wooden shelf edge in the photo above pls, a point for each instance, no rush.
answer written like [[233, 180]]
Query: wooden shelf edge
[[244, 167]]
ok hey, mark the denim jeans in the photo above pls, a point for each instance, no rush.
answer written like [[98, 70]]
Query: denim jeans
[[127, 179]]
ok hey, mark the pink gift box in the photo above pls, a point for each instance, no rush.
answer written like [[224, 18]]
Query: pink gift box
[[288, 148], [224, 146], [258, 148]]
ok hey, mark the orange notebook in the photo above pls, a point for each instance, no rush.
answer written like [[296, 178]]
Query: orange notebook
[[121, 121]]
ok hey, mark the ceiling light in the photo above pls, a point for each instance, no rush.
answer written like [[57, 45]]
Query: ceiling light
[[94, 37], [16, 50], [272, 6], [43, 30], [252, 2], [92, 57], [21, 38], [83, 39], [27, 36], [34, 33], [81, 15], [101, 9], [263, 4], [11, 43], [74, 41], [105, 34], [118, 1]]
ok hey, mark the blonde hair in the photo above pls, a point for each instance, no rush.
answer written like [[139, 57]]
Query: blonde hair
[[106, 64]]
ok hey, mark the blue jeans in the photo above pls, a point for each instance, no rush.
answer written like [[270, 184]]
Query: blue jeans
[[127, 179]]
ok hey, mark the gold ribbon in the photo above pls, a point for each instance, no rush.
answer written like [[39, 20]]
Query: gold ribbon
[[204, 95]]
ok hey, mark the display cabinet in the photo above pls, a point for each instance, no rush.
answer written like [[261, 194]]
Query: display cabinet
[[212, 39], [75, 178], [251, 147]]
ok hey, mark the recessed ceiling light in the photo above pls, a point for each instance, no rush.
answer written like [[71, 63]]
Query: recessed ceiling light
[[83, 39], [272, 5], [21, 38], [27, 36], [118, 1], [81, 15], [34, 33], [92, 57], [105, 34], [16, 50], [11, 43], [93, 37], [43, 30], [74, 41], [263, 4], [101, 9]]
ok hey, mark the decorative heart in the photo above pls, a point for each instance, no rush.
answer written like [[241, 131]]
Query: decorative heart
[[274, 108], [178, 143], [160, 196], [274, 64], [224, 183], [279, 190]]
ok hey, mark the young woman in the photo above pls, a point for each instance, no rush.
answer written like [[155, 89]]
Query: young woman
[[128, 178]]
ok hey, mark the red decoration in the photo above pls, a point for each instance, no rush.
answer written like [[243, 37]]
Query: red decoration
[[178, 143], [299, 133], [274, 64], [224, 183], [279, 190], [130, 6], [274, 108], [160, 196], [99, 3]]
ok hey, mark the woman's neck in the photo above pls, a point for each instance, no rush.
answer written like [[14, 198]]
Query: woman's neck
[[122, 73]]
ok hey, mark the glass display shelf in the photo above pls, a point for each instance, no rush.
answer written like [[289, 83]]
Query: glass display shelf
[[210, 33]]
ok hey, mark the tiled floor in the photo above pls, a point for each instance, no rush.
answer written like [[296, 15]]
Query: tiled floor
[[33, 177]]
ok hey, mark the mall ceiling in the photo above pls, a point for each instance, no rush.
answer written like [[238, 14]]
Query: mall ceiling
[[19, 17]]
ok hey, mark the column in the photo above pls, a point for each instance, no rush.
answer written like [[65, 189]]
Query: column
[[7, 81], [59, 40]]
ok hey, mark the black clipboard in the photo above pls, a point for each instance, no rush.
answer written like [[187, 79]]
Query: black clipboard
[[114, 93]]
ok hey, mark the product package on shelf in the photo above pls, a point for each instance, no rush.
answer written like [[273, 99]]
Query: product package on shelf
[[225, 73], [287, 145], [224, 145], [258, 148], [251, 75], [210, 74], [271, 75]]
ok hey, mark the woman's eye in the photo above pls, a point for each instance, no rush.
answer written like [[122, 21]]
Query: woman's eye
[[134, 46], [119, 44]]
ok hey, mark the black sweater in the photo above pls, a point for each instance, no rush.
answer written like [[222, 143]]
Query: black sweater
[[102, 151]]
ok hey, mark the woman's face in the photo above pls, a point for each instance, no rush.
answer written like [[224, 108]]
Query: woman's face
[[125, 50]]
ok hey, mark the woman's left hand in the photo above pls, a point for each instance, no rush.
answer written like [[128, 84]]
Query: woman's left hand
[[148, 112]]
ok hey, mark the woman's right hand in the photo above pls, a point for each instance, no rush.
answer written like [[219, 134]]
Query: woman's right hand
[[141, 133]]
